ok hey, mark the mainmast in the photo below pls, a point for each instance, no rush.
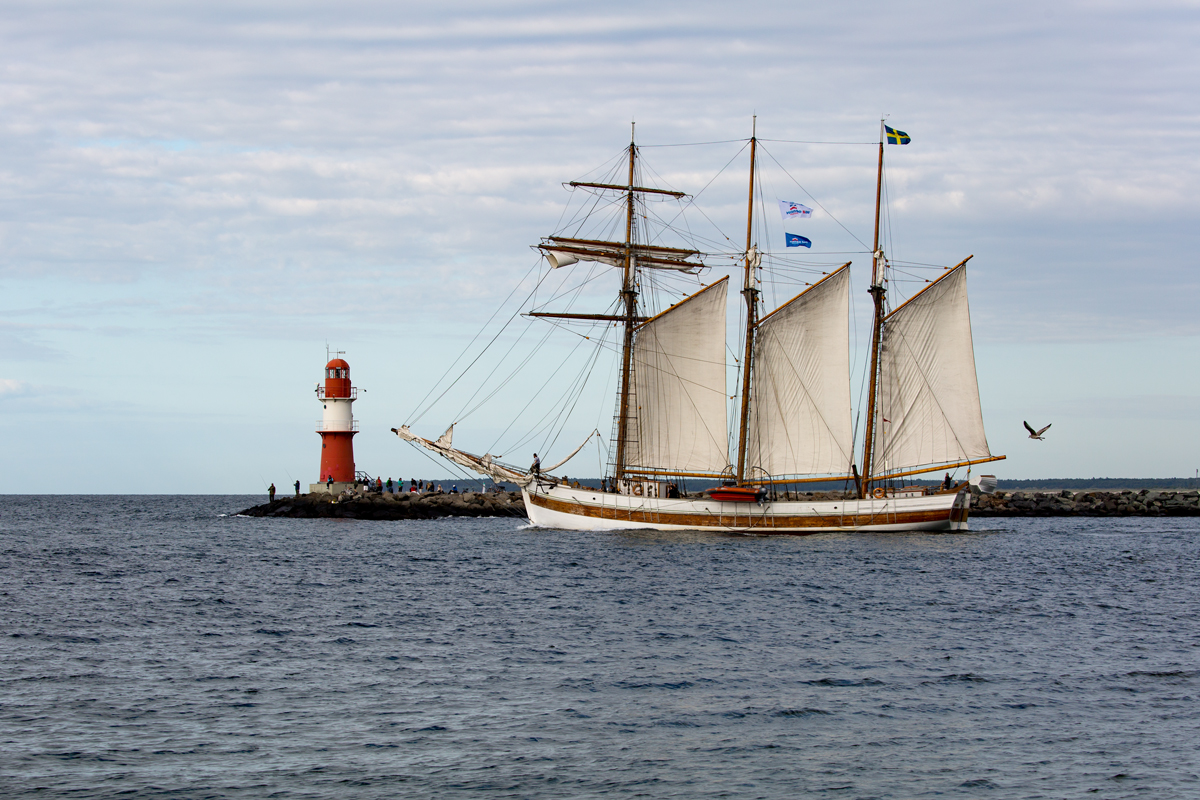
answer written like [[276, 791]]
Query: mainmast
[[750, 292], [629, 295], [877, 294]]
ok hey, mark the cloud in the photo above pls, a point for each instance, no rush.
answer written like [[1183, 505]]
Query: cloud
[[10, 387], [190, 184]]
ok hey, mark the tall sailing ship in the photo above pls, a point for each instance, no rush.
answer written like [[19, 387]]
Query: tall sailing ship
[[794, 421]]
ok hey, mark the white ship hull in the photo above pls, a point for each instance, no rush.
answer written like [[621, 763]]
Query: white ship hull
[[586, 509]]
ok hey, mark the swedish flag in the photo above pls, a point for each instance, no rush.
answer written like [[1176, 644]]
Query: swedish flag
[[896, 137]]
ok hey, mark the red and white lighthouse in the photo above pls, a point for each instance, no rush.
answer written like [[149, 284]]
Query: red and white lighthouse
[[337, 426]]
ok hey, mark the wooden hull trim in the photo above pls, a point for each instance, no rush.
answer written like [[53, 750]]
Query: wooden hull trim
[[585, 509]]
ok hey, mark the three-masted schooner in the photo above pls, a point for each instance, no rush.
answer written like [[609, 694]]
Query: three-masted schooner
[[794, 411]]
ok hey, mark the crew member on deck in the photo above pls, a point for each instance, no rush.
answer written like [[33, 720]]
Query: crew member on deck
[[537, 465]]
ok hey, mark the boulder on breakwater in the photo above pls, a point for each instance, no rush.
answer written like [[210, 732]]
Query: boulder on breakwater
[[1065, 503], [405, 505]]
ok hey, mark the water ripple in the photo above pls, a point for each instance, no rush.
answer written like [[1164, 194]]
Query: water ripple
[[157, 648]]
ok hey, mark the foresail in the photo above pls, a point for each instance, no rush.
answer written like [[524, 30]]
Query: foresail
[[561, 251], [929, 410], [678, 405], [800, 421]]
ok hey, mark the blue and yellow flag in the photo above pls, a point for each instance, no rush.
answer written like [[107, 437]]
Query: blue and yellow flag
[[896, 137]]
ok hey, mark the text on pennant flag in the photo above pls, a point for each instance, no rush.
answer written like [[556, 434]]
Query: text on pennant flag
[[796, 240], [792, 210]]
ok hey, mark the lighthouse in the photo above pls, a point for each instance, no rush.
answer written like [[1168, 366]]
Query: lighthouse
[[337, 427]]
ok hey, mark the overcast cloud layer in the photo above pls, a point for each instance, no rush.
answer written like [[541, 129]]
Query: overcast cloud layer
[[195, 201]]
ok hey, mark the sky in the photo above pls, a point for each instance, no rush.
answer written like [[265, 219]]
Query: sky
[[197, 200]]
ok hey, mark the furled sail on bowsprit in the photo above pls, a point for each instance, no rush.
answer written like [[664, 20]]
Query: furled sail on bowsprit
[[678, 409], [929, 410], [800, 421]]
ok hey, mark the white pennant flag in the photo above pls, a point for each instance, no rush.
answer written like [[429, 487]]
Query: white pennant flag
[[792, 210]]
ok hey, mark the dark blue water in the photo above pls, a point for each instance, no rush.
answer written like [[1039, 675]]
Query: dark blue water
[[153, 648]]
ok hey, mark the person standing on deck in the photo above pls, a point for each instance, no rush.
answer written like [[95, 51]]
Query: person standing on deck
[[536, 467]]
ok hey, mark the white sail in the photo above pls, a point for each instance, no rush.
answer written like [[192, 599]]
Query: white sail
[[678, 402], [800, 422], [928, 394]]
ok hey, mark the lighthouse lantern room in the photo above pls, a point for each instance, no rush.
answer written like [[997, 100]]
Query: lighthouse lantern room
[[337, 428]]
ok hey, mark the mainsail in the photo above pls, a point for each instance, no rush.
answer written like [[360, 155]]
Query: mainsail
[[800, 421], [678, 408], [929, 409]]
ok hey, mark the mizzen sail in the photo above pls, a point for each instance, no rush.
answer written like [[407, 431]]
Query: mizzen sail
[[929, 410]]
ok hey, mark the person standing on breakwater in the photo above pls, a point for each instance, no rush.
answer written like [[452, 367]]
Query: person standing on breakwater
[[329, 483], [271, 493], [389, 486], [297, 488]]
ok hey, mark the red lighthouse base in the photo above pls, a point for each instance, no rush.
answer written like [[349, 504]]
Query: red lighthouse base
[[337, 456]]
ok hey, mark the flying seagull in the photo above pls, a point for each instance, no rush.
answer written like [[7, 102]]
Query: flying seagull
[[1036, 434]]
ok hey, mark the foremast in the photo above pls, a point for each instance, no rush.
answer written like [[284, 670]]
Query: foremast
[[629, 296], [628, 256]]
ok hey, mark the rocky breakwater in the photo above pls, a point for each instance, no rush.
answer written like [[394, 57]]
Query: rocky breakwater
[[405, 505], [1146, 503]]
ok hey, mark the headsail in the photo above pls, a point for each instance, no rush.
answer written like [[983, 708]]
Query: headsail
[[678, 404], [484, 465], [800, 421], [929, 410]]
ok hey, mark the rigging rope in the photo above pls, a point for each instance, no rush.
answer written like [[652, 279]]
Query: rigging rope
[[815, 200], [473, 340]]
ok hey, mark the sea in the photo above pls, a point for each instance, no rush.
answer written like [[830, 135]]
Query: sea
[[165, 647]]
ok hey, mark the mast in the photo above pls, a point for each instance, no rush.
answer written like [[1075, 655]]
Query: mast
[[750, 292], [629, 294], [877, 292]]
